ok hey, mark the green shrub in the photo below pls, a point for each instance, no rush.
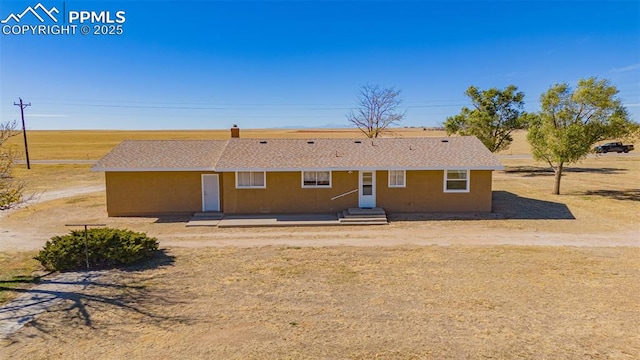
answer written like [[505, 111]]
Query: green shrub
[[106, 247]]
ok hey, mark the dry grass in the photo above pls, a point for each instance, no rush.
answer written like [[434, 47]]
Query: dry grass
[[38, 223], [353, 303], [356, 303], [18, 270], [93, 144], [47, 177], [519, 146], [601, 193], [601, 196]]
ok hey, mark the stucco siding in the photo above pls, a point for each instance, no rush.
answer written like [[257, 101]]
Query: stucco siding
[[284, 194], [424, 193], [154, 193], [157, 193]]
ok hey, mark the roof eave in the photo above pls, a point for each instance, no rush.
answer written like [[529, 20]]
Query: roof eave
[[121, 169], [360, 168]]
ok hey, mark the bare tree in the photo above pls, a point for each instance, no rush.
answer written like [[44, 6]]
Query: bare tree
[[11, 189], [7, 130], [377, 110]]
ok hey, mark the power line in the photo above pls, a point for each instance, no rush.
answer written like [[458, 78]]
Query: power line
[[236, 108], [226, 104], [181, 107], [24, 129]]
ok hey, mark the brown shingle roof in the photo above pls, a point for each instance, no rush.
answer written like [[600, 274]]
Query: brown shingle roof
[[354, 154], [294, 154], [162, 155]]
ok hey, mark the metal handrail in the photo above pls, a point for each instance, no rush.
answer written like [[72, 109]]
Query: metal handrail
[[345, 194]]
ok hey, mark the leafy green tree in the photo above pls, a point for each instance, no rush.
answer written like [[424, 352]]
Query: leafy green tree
[[495, 115], [571, 121]]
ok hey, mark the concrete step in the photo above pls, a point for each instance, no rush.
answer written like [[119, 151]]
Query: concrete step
[[364, 223], [347, 215], [372, 211], [205, 219], [360, 220], [203, 222], [209, 215], [358, 216]]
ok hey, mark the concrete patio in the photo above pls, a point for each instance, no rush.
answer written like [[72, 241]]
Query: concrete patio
[[353, 216]]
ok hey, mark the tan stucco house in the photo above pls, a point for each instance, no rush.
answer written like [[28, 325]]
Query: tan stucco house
[[251, 176]]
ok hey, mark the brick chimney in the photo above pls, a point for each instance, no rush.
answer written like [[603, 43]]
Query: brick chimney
[[235, 131]]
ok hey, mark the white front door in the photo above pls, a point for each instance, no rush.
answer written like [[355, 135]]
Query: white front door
[[367, 189], [210, 192]]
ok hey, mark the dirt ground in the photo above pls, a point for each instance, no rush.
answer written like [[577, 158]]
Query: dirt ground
[[358, 292], [351, 303], [600, 206], [30, 228]]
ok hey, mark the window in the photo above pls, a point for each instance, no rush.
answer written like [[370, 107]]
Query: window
[[313, 179], [367, 183], [396, 178], [456, 181], [250, 179]]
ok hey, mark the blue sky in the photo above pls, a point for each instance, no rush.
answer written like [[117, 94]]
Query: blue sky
[[208, 64]]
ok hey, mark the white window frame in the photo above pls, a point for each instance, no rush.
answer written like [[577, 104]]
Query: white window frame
[[404, 179], [316, 186], [446, 179], [264, 180]]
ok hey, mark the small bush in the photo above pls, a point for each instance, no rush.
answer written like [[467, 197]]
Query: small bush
[[106, 247]]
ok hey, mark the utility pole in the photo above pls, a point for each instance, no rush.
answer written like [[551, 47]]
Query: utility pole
[[24, 129]]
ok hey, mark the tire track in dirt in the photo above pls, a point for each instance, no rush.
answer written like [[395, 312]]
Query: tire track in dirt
[[12, 240]]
